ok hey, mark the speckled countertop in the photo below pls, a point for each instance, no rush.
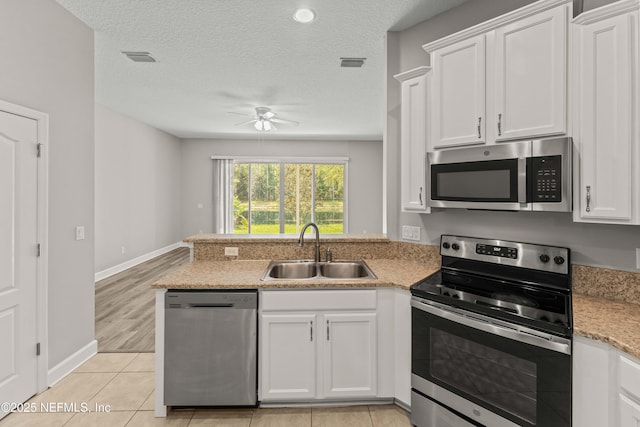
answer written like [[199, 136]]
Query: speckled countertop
[[613, 322], [247, 273]]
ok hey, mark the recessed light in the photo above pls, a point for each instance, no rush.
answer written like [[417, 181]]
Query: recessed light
[[304, 15]]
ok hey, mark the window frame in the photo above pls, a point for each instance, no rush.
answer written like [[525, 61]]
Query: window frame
[[281, 161]]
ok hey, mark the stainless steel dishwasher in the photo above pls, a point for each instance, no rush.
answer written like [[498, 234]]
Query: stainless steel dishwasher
[[211, 348]]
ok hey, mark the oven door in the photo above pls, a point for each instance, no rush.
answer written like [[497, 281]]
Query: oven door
[[488, 372], [480, 177]]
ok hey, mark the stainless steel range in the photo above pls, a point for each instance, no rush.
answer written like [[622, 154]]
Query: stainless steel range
[[491, 336]]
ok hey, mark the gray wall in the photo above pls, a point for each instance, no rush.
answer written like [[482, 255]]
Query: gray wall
[[364, 180], [137, 180], [591, 244], [47, 65]]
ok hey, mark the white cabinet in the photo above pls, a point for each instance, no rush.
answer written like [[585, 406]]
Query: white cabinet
[[606, 386], [531, 76], [350, 348], [318, 345], [501, 80], [288, 356], [458, 106], [413, 138], [606, 134]]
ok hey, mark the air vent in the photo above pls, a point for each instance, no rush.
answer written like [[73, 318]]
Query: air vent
[[352, 62], [139, 56]]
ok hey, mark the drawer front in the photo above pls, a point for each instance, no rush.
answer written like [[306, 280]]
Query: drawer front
[[629, 374], [304, 300]]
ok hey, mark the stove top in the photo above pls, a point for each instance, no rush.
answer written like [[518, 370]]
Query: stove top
[[521, 283]]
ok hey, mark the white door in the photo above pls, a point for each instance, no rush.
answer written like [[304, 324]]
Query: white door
[[288, 356], [350, 355], [18, 257], [458, 89], [531, 76]]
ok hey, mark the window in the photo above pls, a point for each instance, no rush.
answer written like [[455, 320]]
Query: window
[[279, 197]]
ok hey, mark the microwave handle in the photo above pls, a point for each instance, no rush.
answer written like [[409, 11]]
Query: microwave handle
[[522, 180]]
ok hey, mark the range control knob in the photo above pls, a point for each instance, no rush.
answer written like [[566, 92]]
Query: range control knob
[[455, 296], [446, 245], [455, 246], [544, 258], [558, 260]]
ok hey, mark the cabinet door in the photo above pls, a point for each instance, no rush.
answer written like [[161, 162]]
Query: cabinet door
[[605, 139], [531, 76], [288, 356], [458, 89], [591, 383], [629, 412], [350, 355], [413, 143]]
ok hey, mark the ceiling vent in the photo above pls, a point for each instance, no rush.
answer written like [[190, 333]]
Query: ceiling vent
[[139, 56], [352, 62]]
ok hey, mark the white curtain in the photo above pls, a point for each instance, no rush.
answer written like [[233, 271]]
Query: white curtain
[[222, 196]]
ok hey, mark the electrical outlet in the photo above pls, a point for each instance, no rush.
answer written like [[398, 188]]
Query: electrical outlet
[[411, 233], [80, 232], [638, 258], [230, 251], [122, 248]]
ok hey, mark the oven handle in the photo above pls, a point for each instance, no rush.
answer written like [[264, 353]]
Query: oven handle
[[476, 321]]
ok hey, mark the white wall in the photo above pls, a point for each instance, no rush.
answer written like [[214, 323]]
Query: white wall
[[138, 175], [364, 180], [591, 244], [47, 65]]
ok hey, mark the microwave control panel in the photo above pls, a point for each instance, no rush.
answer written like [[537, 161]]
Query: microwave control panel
[[545, 179]]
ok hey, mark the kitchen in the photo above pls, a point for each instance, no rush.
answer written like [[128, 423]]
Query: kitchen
[[70, 102]]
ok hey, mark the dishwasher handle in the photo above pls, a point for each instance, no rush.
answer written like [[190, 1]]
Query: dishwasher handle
[[210, 305]]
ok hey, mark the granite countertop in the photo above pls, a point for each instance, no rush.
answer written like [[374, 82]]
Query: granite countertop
[[247, 273], [613, 322]]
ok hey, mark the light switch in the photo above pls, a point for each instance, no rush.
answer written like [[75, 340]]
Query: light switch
[[80, 232]]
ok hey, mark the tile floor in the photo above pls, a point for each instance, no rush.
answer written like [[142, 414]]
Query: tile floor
[[125, 382]]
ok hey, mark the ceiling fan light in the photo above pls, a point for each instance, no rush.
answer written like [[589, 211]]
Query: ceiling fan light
[[263, 125], [304, 16]]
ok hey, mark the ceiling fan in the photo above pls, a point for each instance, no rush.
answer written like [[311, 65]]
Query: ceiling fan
[[264, 119]]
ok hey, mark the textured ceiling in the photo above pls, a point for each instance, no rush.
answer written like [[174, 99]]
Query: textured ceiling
[[216, 56]]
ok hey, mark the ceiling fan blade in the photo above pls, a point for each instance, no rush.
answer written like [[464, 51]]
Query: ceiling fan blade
[[242, 114], [246, 122], [285, 122]]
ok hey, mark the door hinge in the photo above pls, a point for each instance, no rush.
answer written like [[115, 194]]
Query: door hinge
[[38, 254], [38, 349], [39, 148]]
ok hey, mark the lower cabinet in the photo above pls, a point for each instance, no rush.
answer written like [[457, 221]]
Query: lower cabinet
[[318, 345], [606, 386]]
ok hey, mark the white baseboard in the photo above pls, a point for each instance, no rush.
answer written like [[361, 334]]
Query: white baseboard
[[135, 261], [67, 366]]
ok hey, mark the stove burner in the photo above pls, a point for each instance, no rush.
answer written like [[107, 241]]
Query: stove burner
[[514, 299]]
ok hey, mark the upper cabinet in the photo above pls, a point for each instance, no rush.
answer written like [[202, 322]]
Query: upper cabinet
[[605, 115], [501, 80], [413, 138], [459, 93]]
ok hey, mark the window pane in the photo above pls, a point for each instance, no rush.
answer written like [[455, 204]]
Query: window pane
[[265, 198], [241, 198], [329, 198], [297, 196]]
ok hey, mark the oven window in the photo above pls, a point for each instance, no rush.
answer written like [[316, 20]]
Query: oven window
[[498, 378], [487, 181]]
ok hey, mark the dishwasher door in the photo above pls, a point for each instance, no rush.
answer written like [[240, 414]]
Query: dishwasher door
[[211, 348]]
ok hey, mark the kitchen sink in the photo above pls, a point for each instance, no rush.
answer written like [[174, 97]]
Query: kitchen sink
[[310, 270]]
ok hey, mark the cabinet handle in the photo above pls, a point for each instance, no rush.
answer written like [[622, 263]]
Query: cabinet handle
[[588, 198], [420, 196], [499, 124], [311, 331], [327, 330], [479, 132]]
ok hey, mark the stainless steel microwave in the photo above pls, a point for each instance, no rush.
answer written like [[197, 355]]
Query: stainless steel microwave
[[516, 176]]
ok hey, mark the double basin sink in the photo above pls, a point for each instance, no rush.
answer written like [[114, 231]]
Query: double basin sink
[[311, 270]]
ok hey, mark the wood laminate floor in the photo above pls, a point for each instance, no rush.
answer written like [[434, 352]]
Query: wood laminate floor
[[125, 305]]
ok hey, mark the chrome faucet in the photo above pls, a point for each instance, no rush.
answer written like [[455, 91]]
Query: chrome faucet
[[301, 239]]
